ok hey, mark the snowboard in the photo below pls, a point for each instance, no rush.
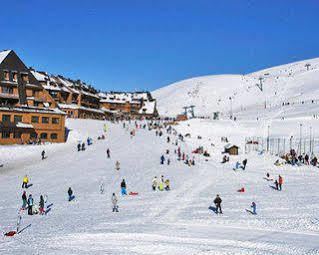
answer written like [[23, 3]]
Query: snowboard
[[133, 193], [251, 212], [47, 211], [29, 185], [214, 209]]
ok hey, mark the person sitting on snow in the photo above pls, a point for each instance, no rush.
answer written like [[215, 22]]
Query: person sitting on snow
[[237, 166], [114, 203]]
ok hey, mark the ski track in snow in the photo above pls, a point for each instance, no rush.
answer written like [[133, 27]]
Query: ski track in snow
[[174, 222]]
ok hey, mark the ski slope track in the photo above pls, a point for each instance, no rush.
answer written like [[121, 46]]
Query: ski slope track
[[238, 95], [175, 222]]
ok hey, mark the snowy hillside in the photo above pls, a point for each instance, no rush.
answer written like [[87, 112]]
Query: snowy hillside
[[175, 222], [292, 83]]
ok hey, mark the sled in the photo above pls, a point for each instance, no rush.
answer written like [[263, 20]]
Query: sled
[[133, 193], [251, 212], [11, 233], [241, 190]]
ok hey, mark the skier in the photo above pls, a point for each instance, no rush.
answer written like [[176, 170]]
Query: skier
[[30, 204], [244, 164], [253, 206], [280, 182], [162, 159], [117, 165], [217, 202], [25, 182], [41, 205], [114, 203], [108, 153], [83, 147], [43, 155], [24, 200], [123, 187], [79, 147], [167, 187], [154, 183], [70, 193], [168, 139], [276, 183], [162, 178], [168, 161]]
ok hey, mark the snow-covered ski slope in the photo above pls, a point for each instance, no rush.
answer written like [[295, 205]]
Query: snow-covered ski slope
[[175, 222], [292, 83]]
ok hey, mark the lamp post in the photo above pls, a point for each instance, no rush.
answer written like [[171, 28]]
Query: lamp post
[[231, 108]]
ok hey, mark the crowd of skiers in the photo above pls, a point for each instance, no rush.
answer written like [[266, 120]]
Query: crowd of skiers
[[302, 159]]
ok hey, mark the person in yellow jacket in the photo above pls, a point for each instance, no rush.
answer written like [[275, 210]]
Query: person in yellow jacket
[[167, 185], [161, 186], [25, 182]]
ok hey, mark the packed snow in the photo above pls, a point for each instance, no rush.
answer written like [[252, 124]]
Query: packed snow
[[158, 222]]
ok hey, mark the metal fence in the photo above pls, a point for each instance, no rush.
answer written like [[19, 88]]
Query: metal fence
[[280, 146]]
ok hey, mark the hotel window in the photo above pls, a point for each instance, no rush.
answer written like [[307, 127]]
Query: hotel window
[[17, 135], [6, 118], [17, 118], [44, 136], [45, 120], [15, 76], [25, 77], [5, 134], [33, 135], [54, 136], [7, 90], [35, 119], [55, 120], [6, 75]]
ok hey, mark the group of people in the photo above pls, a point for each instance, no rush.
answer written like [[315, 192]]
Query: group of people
[[159, 184], [302, 159]]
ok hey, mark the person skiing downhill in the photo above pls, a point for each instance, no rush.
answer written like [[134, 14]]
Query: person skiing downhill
[[154, 183], [25, 182], [114, 203], [108, 153], [162, 159], [244, 164], [24, 200], [253, 206], [276, 183], [123, 187], [217, 202]]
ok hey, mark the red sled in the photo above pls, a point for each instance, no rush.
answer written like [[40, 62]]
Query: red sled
[[11, 233], [241, 190], [133, 193]]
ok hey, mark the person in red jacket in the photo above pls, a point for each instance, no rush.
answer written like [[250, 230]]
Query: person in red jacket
[[280, 182]]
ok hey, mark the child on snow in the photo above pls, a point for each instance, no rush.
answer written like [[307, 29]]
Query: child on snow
[[167, 187], [161, 186], [30, 205], [114, 203]]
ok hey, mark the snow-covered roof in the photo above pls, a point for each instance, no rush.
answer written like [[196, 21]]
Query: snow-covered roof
[[148, 107], [24, 125], [32, 109], [229, 145], [3, 55], [49, 87], [39, 76], [89, 94], [74, 107]]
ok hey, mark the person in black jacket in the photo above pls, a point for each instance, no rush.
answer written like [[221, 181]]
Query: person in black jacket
[[43, 155], [70, 193], [123, 187], [217, 202], [244, 164]]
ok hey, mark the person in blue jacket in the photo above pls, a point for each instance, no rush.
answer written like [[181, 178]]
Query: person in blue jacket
[[253, 206]]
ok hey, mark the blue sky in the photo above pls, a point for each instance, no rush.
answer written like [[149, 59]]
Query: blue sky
[[144, 44]]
